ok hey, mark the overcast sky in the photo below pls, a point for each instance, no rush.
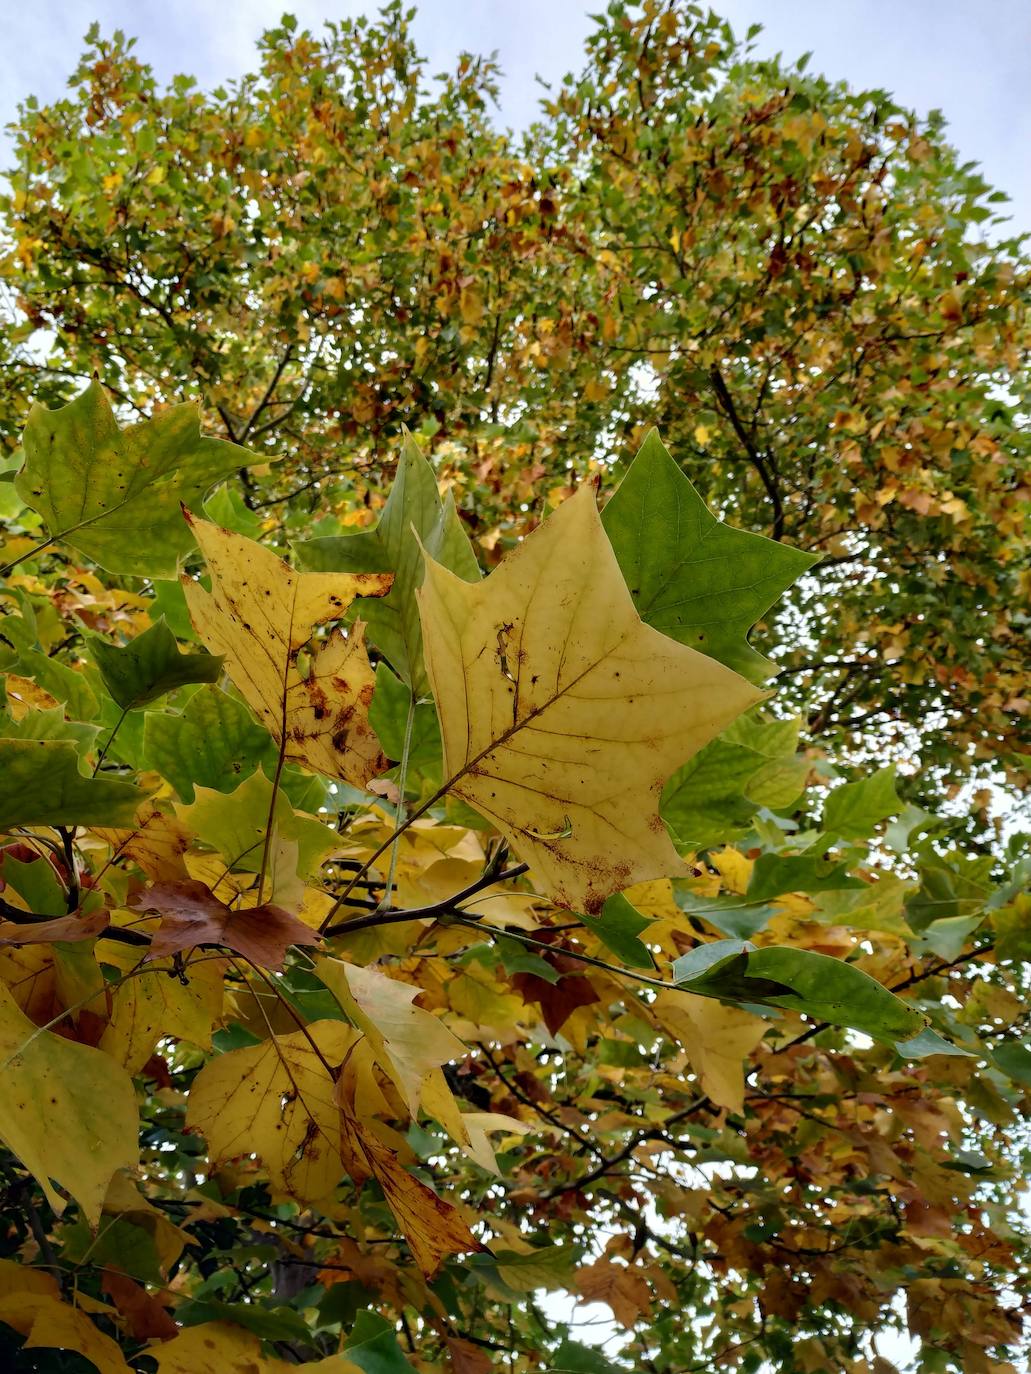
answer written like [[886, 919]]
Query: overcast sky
[[971, 60]]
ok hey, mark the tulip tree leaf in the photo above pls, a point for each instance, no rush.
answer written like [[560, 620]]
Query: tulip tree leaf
[[69, 1110], [114, 494], [149, 666], [690, 575], [414, 508], [563, 714], [214, 743], [800, 980], [40, 784], [854, 810]]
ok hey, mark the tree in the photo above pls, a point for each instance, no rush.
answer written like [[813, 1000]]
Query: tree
[[801, 285], [334, 1019], [448, 915]]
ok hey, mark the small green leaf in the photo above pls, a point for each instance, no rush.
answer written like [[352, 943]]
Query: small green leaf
[[618, 926], [270, 1323], [1015, 1062], [149, 666], [691, 576], [855, 810], [413, 508], [40, 784], [926, 1043], [373, 1346], [574, 1358], [114, 494]]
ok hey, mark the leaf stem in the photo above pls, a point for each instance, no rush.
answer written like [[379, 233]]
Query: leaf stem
[[110, 740], [399, 809]]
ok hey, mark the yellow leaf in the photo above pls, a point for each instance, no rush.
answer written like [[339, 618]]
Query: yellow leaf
[[50, 1324], [20, 1278], [717, 1040], [408, 1043], [562, 713], [156, 1004], [470, 305], [275, 1100], [432, 1227], [701, 435], [157, 843], [69, 1111], [260, 614], [220, 1348]]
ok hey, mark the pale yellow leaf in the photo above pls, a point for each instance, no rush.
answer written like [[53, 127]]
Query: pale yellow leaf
[[260, 614], [562, 713], [69, 1111], [408, 1042], [48, 1323], [717, 1039]]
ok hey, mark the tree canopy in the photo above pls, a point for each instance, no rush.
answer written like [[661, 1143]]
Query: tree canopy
[[462, 851]]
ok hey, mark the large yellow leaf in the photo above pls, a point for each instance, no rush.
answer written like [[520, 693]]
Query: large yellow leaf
[[260, 614], [69, 1111], [562, 713], [408, 1042], [219, 1348], [276, 1100], [717, 1039], [50, 1324]]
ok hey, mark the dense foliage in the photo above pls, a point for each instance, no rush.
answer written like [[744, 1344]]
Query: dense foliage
[[463, 917]]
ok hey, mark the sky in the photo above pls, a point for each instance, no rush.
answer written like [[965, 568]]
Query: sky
[[970, 60]]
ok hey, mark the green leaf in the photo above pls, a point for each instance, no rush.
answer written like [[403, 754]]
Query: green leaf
[[774, 874], [413, 508], [50, 724], [926, 1043], [799, 980], [114, 494], [62, 682], [214, 743], [704, 802], [618, 926], [388, 716], [855, 810], [270, 1323], [40, 784], [1015, 1061], [574, 1358], [234, 824], [948, 890], [691, 576], [373, 1346], [149, 666], [37, 884]]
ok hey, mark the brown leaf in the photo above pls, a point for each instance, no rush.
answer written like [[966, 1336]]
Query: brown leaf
[[623, 1289], [559, 1000], [145, 1317], [192, 915], [467, 1359], [66, 928]]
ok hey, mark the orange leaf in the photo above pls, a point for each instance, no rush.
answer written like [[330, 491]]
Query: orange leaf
[[145, 1317], [67, 928]]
